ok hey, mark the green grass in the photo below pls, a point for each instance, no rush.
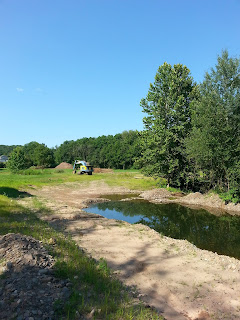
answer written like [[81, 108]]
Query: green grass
[[22, 182], [94, 285]]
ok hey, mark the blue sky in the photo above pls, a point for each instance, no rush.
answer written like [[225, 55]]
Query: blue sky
[[79, 68]]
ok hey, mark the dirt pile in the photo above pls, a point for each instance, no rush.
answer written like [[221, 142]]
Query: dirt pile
[[64, 165], [156, 195], [28, 288]]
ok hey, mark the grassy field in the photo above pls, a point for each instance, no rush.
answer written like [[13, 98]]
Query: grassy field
[[94, 286], [13, 184]]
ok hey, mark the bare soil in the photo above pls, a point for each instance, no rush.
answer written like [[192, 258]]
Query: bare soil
[[180, 280], [28, 288], [64, 165]]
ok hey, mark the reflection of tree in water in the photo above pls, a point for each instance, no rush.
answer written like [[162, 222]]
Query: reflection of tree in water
[[206, 231]]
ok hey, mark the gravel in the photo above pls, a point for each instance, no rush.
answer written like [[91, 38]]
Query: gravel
[[28, 287]]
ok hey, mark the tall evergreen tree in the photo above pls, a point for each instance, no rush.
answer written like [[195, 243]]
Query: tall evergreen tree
[[167, 122]]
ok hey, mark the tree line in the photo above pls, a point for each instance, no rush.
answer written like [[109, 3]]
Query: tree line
[[118, 152], [6, 150], [191, 133]]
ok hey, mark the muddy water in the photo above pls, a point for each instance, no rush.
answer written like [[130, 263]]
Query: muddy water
[[219, 234]]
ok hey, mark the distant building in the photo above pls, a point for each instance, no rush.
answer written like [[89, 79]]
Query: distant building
[[3, 158]]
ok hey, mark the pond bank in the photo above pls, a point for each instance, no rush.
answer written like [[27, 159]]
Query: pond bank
[[180, 280], [210, 202]]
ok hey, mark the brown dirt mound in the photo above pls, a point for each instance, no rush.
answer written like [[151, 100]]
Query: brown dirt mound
[[210, 200], [64, 165], [156, 194], [101, 170]]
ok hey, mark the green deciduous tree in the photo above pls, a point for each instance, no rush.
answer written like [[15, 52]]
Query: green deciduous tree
[[214, 143], [167, 123], [38, 154], [43, 156]]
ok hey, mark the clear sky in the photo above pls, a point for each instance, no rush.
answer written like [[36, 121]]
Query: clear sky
[[79, 68]]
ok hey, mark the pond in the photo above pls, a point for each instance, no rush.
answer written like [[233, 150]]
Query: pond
[[219, 234]]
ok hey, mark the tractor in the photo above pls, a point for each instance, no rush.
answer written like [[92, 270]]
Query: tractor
[[83, 167]]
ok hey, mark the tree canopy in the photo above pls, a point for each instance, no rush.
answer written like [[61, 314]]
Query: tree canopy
[[214, 142], [31, 154], [167, 123]]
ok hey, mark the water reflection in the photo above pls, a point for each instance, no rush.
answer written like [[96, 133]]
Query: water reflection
[[216, 233]]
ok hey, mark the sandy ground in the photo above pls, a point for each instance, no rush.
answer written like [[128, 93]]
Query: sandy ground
[[180, 280]]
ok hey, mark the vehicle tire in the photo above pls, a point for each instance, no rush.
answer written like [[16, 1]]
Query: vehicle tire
[[89, 173]]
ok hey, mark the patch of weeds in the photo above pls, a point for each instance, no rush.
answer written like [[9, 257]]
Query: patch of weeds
[[171, 189], [102, 265], [59, 171], [31, 172]]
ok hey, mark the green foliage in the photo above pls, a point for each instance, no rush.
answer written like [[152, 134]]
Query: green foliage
[[117, 152], [31, 154], [39, 155], [214, 142], [6, 150], [17, 160], [167, 123], [230, 196]]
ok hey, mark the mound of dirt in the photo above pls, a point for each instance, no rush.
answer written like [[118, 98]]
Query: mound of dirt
[[64, 165], [101, 170], [197, 198], [156, 195], [28, 287]]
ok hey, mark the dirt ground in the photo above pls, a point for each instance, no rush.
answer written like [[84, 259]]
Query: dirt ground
[[180, 280]]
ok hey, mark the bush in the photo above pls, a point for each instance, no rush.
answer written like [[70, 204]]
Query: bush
[[17, 161], [230, 196]]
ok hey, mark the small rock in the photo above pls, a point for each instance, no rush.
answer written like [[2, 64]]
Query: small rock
[[90, 315], [43, 271], [66, 292]]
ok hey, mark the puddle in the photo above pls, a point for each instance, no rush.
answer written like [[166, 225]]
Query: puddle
[[207, 231]]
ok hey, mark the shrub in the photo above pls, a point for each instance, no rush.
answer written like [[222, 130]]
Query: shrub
[[17, 160]]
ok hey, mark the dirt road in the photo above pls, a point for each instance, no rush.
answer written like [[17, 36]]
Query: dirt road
[[180, 280]]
